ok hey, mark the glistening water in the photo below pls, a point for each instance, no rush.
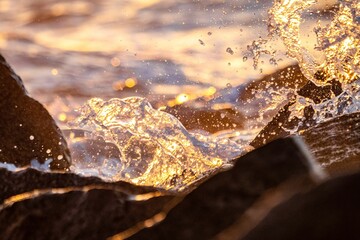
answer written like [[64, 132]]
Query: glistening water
[[197, 57]]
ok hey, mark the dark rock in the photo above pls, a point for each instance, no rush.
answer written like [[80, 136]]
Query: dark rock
[[277, 127], [206, 118], [40, 205], [220, 201], [26, 128], [75, 214], [14, 183], [335, 143], [329, 211], [289, 77]]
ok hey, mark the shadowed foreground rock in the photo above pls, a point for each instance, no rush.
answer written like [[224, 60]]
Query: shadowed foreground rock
[[27, 130], [39, 205], [36, 205], [330, 211], [14, 183], [334, 143], [219, 202]]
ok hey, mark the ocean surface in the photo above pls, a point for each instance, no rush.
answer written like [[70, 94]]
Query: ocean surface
[[70, 51]]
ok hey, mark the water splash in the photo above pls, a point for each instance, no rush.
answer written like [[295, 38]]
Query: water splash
[[345, 103], [145, 146], [284, 20], [339, 40]]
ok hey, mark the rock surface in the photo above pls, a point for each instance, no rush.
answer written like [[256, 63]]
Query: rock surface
[[335, 144], [26, 128], [224, 198], [330, 211], [289, 77], [276, 128], [40, 205], [207, 119], [14, 183]]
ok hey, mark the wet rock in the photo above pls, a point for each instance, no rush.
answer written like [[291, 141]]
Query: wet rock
[[37, 205], [220, 201], [26, 128], [335, 143], [206, 118], [14, 183], [279, 125], [289, 77], [329, 211]]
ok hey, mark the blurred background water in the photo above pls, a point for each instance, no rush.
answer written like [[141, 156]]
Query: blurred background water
[[168, 51]]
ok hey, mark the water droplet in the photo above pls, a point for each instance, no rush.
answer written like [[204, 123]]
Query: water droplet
[[245, 58], [229, 50]]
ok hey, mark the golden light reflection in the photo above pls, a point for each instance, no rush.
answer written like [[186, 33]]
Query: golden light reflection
[[122, 84], [62, 117], [192, 94], [54, 71], [181, 98], [130, 82], [210, 91]]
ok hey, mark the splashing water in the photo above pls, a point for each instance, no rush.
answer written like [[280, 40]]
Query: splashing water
[[285, 19], [345, 103], [147, 146], [339, 41]]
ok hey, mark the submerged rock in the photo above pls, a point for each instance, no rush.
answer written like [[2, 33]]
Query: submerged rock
[[219, 202], [27, 131]]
